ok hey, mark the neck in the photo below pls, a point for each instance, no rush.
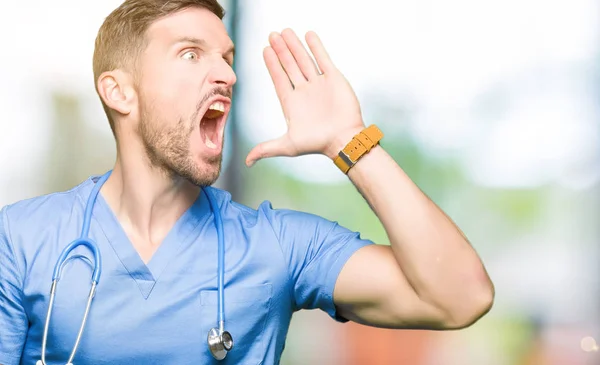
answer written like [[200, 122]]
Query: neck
[[145, 199]]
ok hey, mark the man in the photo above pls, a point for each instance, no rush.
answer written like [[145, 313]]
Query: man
[[163, 72]]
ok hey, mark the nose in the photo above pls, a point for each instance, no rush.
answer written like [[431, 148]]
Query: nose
[[222, 74]]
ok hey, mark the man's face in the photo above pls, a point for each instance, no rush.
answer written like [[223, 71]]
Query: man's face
[[185, 85]]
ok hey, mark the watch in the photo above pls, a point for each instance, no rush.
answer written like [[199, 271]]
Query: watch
[[357, 147]]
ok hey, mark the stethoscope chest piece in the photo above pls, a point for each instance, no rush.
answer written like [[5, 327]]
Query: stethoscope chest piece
[[219, 342]]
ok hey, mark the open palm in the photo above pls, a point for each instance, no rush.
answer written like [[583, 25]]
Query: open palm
[[318, 106]]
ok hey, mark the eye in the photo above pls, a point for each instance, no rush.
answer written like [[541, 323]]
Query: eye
[[190, 55]]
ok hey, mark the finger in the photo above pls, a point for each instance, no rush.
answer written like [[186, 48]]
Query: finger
[[305, 62], [280, 79], [276, 147], [318, 50], [287, 59]]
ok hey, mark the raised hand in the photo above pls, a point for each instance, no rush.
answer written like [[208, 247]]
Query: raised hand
[[320, 108]]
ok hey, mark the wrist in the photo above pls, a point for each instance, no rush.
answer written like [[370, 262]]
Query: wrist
[[361, 142], [341, 140]]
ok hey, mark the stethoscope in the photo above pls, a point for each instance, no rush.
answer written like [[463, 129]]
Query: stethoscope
[[219, 341]]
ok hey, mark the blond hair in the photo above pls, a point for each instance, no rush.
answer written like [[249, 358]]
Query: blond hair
[[122, 36]]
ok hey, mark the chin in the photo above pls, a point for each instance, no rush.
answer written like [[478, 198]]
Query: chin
[[207, 171]]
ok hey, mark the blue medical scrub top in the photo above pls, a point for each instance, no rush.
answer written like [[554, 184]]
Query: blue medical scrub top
[[277, 262]]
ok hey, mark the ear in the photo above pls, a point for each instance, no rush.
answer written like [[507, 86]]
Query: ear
[[117, 91]]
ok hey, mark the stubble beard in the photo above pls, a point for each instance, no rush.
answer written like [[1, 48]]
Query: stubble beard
[[168, 150]]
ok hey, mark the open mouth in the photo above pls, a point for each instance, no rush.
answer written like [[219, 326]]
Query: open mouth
[[211, 125]]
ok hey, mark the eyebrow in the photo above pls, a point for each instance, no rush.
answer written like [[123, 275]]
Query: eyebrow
[[202, 43]]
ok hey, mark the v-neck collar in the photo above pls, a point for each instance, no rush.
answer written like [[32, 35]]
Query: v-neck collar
[[146, 275]]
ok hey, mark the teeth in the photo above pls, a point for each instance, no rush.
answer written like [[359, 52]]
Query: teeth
[[210, 144], [215, 110], [217, 105]]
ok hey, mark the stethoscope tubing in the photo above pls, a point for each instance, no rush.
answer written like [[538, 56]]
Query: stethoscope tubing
[[221, 261], [83, 240]]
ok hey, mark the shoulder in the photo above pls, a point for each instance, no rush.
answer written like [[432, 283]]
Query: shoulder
[[277, 218], [230, 207], [42, 211]]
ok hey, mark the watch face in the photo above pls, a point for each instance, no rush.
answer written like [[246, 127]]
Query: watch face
[[227, 340]]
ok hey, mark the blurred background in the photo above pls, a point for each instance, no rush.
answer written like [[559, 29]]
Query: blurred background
[[492, 108]]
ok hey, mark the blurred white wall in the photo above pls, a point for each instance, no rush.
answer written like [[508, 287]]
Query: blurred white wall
[[454, 64]]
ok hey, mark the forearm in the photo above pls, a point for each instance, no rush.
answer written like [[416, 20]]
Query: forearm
[[433, 254]]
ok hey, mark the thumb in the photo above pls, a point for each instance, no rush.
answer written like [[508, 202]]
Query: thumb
[[277, 147]]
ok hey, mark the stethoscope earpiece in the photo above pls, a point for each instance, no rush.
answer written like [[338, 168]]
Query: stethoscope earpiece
[[219, 343]]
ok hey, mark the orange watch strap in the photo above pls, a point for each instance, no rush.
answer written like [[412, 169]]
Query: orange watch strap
[[341, 164], [373, 133], [357, 147]]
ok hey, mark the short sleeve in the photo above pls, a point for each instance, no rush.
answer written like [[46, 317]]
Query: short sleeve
[[13, 320], [316, 250]]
